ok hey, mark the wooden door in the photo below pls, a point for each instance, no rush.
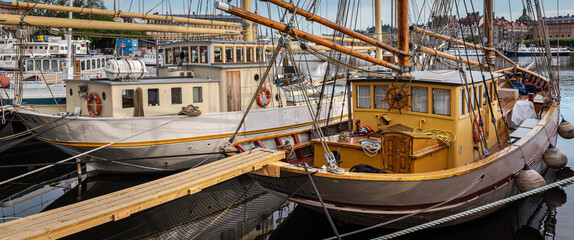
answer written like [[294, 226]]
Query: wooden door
[[397, 154], [233, 91]]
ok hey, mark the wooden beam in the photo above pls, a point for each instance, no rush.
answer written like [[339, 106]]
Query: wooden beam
[[65, 221], [105, 25], [332, 25], [448, 56], [298, 33], [92, 11]]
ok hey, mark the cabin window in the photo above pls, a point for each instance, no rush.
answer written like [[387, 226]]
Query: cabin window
[[127, 98], [99, 63], [217, 54], [45, 64], [168, 55], [380, 96], [54, 65], [197, 94], [259, 54], [194, 55], [153, 97], [203, 54], [363, 96], [441, 101], [175, 95], [249, 54], [176, 57], [419, 99], [239, 54], [483, 90], [185, 51], [83, 65], [93, 63], [30, 65], [228, 54], [461, 103]]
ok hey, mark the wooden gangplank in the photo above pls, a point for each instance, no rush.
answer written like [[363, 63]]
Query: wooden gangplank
[[77, 217]]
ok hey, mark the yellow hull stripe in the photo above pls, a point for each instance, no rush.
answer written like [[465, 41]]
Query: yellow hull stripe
[[182, 140]]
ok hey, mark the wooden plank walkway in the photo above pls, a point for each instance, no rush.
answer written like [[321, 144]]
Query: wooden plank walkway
[[77, 217]]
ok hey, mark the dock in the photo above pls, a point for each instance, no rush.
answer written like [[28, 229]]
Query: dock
[[65, 221]]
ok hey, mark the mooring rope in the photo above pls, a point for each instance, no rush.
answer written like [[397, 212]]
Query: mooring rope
[[477, 209]]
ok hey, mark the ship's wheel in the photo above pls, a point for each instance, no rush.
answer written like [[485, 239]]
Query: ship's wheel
[[397, 97]]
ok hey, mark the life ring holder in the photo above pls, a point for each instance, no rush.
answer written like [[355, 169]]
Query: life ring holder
[[94, 109], [478, 128], [267, 97]]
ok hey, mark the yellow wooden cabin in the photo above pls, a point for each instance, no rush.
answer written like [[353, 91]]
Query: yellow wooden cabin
[[440, 101]]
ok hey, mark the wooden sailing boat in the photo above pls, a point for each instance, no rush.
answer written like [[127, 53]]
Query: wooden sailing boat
[[440, 145]]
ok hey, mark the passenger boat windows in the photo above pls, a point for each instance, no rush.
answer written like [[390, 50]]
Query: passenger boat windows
[[176, 51], [176, 96], [419, 99], [99, 63], [259, 54], [153, 97], [54, 65], [127, 98], [194, 55], [197, 95], [203, 54], [185, 51], [249, 54], [239, 54], [461, 103], [363, 96], [83, 65], [229, 54], [441, 101], [380, 96], [93, 63], [168, 56], [30, 65], [217, 54], [45, 64]]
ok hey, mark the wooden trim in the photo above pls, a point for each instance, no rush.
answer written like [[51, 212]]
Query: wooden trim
[[225, 53], [206, 52], [242, 54]]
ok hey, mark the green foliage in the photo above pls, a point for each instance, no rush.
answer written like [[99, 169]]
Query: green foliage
[[97, 42], [472, 39]]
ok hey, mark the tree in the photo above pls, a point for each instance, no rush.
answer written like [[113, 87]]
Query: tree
[[472, 39]]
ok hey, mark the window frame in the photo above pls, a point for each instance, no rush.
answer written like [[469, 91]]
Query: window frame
[[222, 54], [126, 96], [180, 96], [232, 54], [449, 101], [199, 98], [157, 97]]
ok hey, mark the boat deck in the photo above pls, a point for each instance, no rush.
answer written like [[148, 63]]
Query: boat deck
[[77, 217]]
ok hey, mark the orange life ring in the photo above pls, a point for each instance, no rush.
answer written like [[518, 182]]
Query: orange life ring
[[478, 128], [94, 111], [266, 98]]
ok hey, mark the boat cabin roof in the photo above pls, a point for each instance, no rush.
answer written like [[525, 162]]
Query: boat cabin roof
[[442, 77], [148, 80]]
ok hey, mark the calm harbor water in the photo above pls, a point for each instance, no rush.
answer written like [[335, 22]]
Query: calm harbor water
[[240, 209]]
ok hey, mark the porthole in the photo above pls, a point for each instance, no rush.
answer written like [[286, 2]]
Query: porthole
[[71, 92], [103, 95], [256, 77]]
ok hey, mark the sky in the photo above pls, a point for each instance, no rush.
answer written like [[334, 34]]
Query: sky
[[510, 9]]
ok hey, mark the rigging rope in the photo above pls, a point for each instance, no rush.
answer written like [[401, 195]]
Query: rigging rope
[[445, 136]]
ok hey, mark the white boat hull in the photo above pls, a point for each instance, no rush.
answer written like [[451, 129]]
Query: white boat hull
[[153, 139]]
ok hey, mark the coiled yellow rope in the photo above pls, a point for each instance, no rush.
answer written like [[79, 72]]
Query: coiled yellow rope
[[445, 136]]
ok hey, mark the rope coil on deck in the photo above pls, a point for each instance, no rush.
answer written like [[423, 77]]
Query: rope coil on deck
[[445, 136]]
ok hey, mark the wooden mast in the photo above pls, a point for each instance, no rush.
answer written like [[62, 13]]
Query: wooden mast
[[378, 27], [332, 25], [248, 31], [488, 18], [403, 33], [298, 33], [105, 25]]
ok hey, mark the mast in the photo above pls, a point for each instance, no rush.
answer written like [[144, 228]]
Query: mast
[[488, 18], [248, 31], [403, 33], [378, 27], [69, 67]]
